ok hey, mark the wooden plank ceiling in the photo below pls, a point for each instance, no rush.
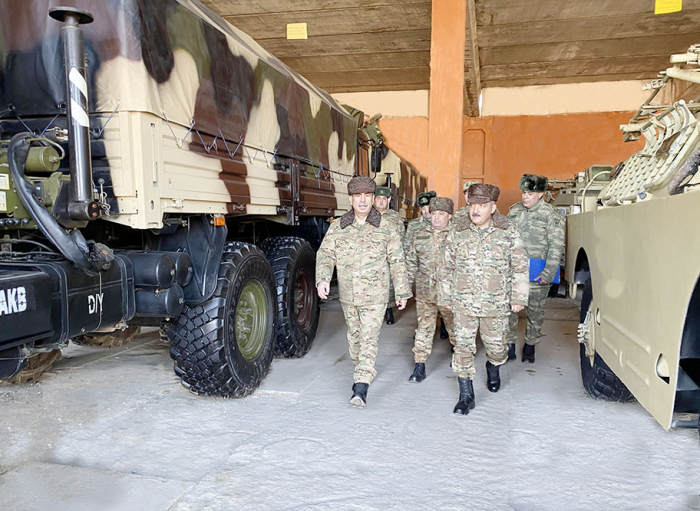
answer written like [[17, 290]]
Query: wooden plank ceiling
[[384, 45]]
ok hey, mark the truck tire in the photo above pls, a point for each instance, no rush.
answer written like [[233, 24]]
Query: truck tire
[[598, 379], [293, 264], [223, 347], [110, 340], [36, 366]]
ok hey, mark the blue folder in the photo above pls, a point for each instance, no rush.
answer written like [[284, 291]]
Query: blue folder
[[536, 267]]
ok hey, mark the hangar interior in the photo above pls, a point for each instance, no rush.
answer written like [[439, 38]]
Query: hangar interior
[[205, 367]]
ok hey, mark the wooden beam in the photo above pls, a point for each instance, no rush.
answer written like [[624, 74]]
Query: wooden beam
[[239, 7], [355, 61], [503, 12], [371, 77], [337, 23], [615, 27], [592, 67], [409, 40], [472, 73], [376, 88], [611, 48], [523, 82]]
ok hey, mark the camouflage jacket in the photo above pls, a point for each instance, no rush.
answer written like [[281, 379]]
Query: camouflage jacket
[[365, 255], [413, 227], [396, 220], [461, 212], [542, 229], [423, 260], [484, 271]]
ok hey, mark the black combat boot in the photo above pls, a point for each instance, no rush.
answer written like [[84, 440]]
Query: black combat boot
[[389, 316], [443, 330], [466, 396], [359, 395], [494, 379], [511, 352], [529, 353], [418, 373]]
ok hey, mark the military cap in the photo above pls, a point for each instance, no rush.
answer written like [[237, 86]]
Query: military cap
[[383, 191], [467, 184], [442, 204], [423, 199], [533, 183], [483, 193], [361, 184], [432, 193]]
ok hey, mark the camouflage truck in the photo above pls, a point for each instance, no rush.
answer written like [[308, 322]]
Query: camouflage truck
[[159, 168], [632, 248]]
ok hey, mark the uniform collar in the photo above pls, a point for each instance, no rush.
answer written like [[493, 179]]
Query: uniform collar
[[374, 218]]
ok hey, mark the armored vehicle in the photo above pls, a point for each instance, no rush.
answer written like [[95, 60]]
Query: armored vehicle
[[160, 168], [632, 250]]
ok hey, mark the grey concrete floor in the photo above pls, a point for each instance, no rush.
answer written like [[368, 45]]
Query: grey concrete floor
[[113, 429]]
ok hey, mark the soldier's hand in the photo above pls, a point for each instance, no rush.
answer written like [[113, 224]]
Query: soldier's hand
[[401, 304], [323, 289], [541, 281], [516, 308]]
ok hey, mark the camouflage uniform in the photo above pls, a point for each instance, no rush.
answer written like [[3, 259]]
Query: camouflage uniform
[[418, 223], [423, 260], [394, 220], [484, 274], [542, 229], [365, 254]]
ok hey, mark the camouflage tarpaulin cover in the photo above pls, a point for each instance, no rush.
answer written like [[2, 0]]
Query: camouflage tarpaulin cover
[[177, 60]]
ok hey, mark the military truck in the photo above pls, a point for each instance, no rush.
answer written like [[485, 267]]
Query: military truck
[[160, 168], [632, 247]]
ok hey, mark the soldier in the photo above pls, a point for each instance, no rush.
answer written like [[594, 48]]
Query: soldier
[[381, 204], [484, 279], [463, 212], [422, 221], [542, 230], [365, 252], [423, 260]]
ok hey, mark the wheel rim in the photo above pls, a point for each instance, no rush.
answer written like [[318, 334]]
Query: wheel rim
[[250, 320], [303, 299]]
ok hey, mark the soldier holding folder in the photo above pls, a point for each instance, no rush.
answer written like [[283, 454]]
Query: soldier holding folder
[[541, 228]]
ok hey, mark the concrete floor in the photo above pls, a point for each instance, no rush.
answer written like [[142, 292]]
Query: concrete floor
[[113, 429]]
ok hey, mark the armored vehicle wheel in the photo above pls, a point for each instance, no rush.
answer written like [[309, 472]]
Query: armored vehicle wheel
[[110, 340], [36, 366], [223, 347], [598, 379], [293, 264]]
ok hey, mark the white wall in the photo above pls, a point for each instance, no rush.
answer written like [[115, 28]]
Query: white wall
[[412, 103]]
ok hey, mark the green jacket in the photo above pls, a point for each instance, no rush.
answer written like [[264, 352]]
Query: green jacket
[[542, 230]]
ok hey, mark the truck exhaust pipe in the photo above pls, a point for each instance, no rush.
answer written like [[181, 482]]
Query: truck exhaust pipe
[[81, 205]]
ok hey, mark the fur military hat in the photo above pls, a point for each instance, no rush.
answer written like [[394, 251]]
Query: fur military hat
[[383, 191], [361, 184], [423, 199], [483, 193], [533, 183], [442, 204], [467, 184]]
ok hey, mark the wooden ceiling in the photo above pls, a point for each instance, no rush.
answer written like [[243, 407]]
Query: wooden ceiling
[[384, 45]]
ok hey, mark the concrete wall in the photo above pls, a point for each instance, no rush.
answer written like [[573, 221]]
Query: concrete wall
[[499, 150]]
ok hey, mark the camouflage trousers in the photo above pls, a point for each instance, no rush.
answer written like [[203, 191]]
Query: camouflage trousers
[[364, 324], [427, 315], [392, 296], [493, 331], [534, 312]]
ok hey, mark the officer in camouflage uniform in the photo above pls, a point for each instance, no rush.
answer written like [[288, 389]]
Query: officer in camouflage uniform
[[422, 221], [365, 252], [423, 260], [484, 279], [391, 217], [463, 212], [542, 230]]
